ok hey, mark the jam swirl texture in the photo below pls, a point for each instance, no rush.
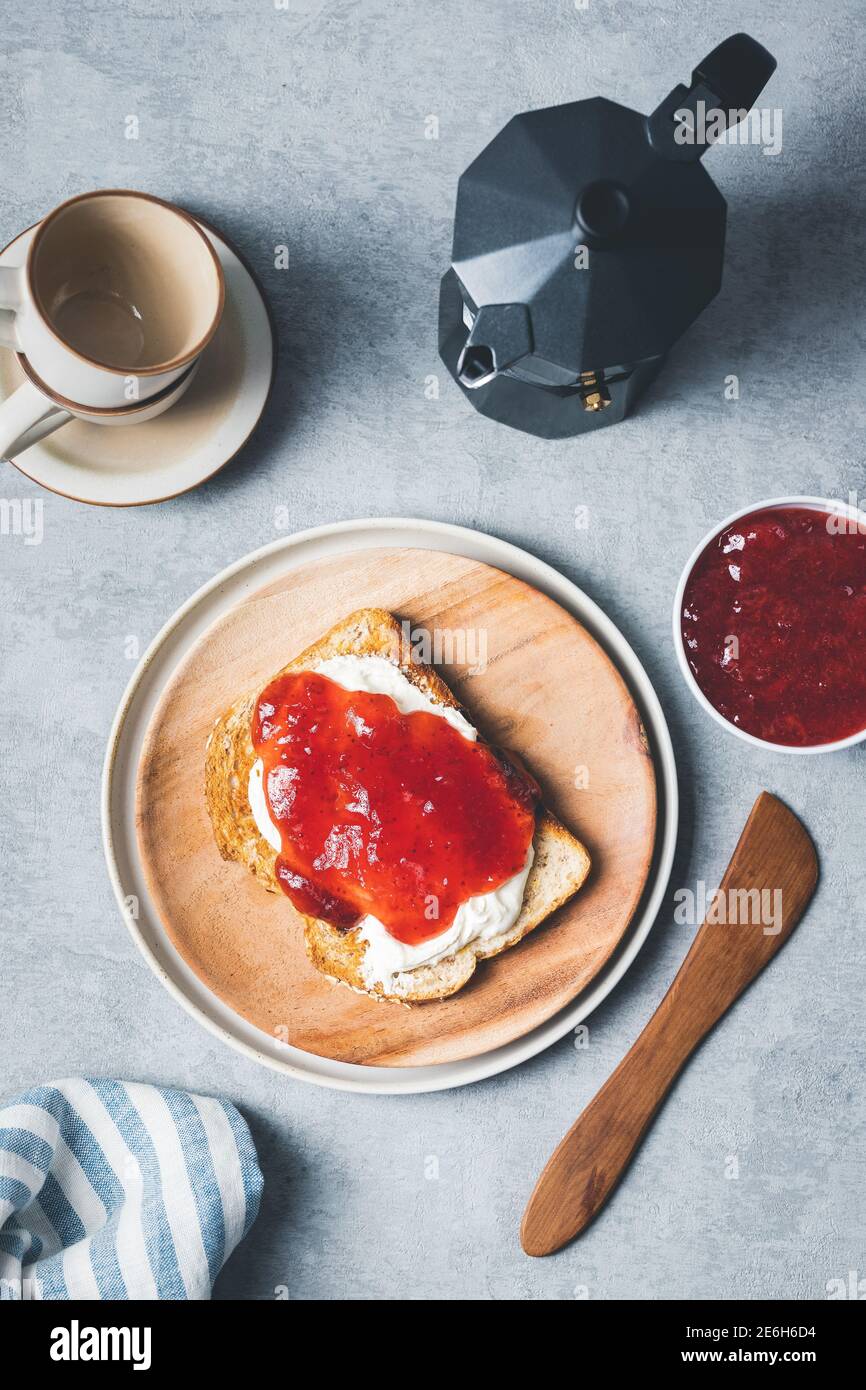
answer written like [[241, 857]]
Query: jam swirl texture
[[394, 815]]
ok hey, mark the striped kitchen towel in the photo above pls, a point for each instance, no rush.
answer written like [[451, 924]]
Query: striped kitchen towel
[[109, 1189]]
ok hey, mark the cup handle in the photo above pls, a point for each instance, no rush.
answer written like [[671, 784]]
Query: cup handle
[[41, 431], [11, 297], [25, 409]]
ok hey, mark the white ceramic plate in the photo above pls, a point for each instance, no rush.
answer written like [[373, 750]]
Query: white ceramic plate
[[171, 645], [127, 466]]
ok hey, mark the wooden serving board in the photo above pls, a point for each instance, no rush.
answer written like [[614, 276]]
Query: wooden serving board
[[547, 691]]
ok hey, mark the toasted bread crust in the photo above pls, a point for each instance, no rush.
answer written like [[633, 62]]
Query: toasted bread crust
[[559, 869]]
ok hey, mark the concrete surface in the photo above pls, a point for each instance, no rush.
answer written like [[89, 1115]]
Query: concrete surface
[[306, 126]]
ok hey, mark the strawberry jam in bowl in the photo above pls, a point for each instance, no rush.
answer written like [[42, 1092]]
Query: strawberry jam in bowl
[[770, 624]]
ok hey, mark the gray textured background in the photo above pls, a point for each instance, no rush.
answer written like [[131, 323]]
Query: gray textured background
[[306, 126]]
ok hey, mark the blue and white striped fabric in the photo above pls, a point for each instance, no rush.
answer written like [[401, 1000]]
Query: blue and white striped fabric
[[109, 1189]]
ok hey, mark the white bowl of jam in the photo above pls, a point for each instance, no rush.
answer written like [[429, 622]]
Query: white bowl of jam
[[769, 624]]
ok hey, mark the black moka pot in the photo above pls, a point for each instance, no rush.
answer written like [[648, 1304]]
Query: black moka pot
[[587, 238]]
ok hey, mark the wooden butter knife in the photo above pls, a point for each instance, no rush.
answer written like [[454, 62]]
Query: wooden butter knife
[[774, 857]]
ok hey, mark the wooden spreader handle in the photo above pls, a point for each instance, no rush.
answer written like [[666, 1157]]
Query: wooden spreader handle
[[766, 888]]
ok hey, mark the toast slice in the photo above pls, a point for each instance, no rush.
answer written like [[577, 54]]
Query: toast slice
[[560, 866]]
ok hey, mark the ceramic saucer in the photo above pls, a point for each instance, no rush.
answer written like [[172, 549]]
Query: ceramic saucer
[[131, 465]]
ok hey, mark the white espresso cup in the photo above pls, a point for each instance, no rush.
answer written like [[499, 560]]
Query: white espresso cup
[[119, 295]]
